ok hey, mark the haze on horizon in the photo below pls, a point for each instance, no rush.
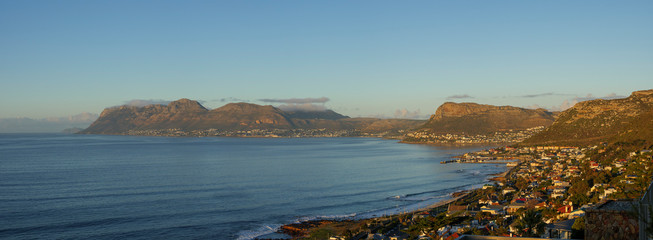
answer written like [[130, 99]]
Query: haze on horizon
[[366, 58]]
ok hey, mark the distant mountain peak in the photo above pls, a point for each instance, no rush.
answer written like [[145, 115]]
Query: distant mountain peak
[[184, 105]]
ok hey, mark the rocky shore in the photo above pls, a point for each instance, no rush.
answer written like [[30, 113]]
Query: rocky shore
[[307, 229]]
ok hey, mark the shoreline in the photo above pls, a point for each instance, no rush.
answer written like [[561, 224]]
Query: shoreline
[[486, 144], [303, 229]]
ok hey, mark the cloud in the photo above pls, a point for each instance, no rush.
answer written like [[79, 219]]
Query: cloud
[[145, 102], [405, 113], [300, 104], [459, 96], [538, 95], [296, 100], [230, 99]]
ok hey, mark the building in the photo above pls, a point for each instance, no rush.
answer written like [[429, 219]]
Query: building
[[493, 209], [645, 218], [561, 230]]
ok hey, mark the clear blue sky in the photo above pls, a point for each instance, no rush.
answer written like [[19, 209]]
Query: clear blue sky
[[369, 58]]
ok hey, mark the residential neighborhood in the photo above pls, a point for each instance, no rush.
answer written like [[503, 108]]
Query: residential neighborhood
[[510, 136], [548, 192]]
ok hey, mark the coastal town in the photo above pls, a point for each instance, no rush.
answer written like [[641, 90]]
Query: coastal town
[[510, 136], [267, 133], [420, 136], [597, 192]]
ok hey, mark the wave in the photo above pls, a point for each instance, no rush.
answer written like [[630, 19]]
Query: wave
[[426, 195], [114, 195], [261, 231], [269, 229], [416, 201], [349, 204]]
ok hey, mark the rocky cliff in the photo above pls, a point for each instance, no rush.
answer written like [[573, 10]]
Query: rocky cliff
[[628, 120], [473, 119]]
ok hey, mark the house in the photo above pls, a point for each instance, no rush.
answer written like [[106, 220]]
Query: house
[[597, 186], [493, 209], [541, 205], [576, 213], [566, 209], [561, 184], [626, 181], [453, 236], [508, 190], [513, 207], [607, 193], [558, 192], [594, 165], [560, 230]]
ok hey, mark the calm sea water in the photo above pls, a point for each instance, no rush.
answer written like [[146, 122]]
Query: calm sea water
[[108, 187]]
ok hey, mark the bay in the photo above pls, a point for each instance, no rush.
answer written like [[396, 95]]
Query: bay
[[107, 187]]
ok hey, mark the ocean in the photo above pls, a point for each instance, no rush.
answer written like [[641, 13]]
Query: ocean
[[115, 187]]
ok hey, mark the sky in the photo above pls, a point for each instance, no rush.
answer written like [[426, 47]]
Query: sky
[[359, 58]]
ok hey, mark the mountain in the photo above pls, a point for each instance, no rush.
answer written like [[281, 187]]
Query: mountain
[[628, 120], [328, 114], [474, 119], [189, 115], [46, 125]]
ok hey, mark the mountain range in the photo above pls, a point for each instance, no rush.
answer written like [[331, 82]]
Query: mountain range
[[628, 120], [189, 115], [46, 125]]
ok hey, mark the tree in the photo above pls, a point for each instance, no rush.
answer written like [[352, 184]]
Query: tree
[[578, 229], [579, 200], [521, 184], [530, 223]]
